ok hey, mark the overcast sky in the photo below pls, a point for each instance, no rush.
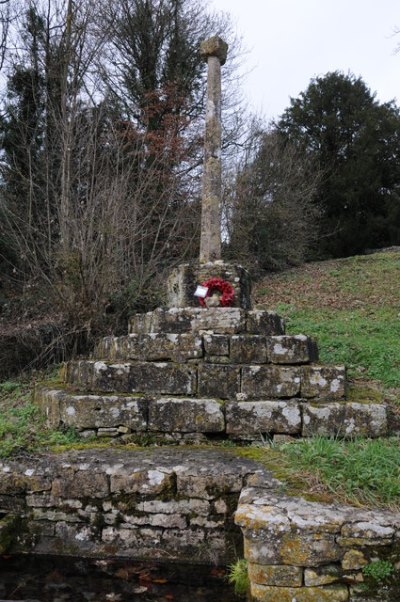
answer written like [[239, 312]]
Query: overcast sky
[[291, 41]]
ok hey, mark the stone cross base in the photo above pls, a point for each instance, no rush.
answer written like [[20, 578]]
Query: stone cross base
[[183, 281]]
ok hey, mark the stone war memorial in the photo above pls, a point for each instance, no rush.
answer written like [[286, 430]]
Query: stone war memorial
[[206, 368]]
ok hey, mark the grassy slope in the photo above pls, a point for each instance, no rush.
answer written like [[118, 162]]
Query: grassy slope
[[352, 307]]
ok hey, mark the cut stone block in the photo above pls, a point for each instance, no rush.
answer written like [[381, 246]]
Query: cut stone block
[[248, 349], [291, 350], [94, 411], [163, 321], [283, 576], [274, 547], [266, 593], [259, 417], [138, 377], [345, 420], [219, 381], [186, 415], [268, 323], [260, 382], [220, 320], [324, 575], [324, 382], [216, 344], [151, 347]]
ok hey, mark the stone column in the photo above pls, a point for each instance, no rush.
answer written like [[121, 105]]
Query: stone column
[[214, 51]]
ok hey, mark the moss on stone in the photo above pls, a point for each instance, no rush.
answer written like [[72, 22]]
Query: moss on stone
[[364, 393]]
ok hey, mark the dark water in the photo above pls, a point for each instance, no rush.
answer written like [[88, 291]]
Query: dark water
[[50, 579]]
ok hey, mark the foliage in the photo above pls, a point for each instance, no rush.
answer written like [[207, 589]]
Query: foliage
[[99, 186], [356, 143], [270, 215], [379, 570], [238, 576], [22, 427], [366, 471]]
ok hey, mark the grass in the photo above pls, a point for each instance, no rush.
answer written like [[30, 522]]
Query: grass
[[22, 427], [238, 576], [360, 472], [351, 306]]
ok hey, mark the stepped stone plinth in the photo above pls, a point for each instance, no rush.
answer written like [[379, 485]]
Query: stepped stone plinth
[[191, 374]]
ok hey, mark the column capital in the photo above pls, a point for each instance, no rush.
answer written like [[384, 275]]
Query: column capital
[[214, 46]]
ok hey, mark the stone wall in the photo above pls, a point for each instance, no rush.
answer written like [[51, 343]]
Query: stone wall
[[162, 504], [312, 552], [173, 504]]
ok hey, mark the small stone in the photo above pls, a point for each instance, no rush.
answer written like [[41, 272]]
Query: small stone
[[280, 439], [324, 575], [107, 432], [283, 576], [353, 560], [333, 593]]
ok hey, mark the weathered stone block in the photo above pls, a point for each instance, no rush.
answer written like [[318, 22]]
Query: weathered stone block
[[145, 482], [186, 415], [368, 530], [219, 381], [103, 411], [282, 576], [324, 382], [208, 487], [345, 420], [253, 418], [324, 575], [151, 347], [220, 320], [248, 349], [261, 321], [270, 546], [260, 382], [353, 560], [291, 350], [192, 506], [137, 377], [216, 344], [79, 484], [333, 593], [48, 401], [174, 320]]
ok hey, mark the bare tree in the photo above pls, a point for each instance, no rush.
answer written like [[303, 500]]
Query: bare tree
[[270, 217]]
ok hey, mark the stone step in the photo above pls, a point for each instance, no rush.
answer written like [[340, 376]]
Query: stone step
[[218, 320], [223, 381], [178, 418], [212, 348]]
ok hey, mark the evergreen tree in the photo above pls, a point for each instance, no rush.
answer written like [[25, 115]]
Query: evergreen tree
[[356, 142]]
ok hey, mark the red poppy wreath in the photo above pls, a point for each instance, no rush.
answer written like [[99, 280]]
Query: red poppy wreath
[[218, 284]]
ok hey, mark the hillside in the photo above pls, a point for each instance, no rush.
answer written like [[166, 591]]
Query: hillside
[[352, 306]]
